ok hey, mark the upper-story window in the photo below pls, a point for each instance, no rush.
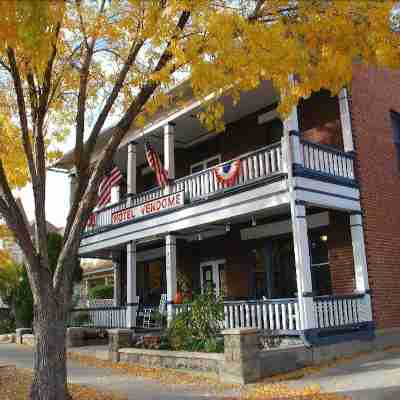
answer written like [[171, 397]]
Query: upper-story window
[[204, 164], [395, 116]]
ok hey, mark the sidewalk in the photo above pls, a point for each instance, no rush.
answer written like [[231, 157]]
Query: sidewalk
[[109, 380], [374, 376]]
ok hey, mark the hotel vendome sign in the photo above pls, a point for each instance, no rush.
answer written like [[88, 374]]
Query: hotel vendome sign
[[164, 203]]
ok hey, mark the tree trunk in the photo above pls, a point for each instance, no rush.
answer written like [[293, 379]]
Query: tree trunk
[[50, 370]]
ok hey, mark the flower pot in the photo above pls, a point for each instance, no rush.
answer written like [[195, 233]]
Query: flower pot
[[178, 298]]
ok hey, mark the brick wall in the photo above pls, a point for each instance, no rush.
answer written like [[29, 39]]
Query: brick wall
[[341, 260], [373, 94], [240, 262]]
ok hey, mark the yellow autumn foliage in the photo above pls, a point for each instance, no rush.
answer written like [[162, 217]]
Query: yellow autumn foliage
[[226, 48]]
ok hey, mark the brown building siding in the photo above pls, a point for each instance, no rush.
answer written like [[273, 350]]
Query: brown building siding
[[373, 94]]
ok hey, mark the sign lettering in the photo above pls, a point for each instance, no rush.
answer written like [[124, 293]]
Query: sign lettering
[[152, 207]]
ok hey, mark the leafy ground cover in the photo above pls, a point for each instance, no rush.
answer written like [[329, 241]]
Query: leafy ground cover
[[269, 389], [15, 385]]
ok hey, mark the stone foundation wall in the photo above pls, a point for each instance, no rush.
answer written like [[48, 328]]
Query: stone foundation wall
[[204, 362]]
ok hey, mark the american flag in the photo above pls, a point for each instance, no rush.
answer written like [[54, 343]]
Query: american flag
[[155, 164], [111, 179]]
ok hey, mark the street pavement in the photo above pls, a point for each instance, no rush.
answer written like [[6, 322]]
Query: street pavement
[[109, 380], [375, 376]]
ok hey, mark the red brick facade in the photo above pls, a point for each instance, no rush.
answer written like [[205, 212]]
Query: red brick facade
[[341, 260], [373, 94]]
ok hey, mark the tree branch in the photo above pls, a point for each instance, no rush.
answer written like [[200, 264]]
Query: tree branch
[[15, 221], [87, 202], [22, 113]]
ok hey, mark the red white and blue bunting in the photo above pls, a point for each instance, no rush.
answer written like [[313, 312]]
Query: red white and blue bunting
[[227, 174]]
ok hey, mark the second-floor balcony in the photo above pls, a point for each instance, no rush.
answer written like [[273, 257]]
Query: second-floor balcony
[[260, 167]]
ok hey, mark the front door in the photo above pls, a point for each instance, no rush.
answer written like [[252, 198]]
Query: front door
[[212, 275]]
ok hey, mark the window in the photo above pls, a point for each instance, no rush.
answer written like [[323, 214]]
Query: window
[[204, 164], [395, 117], [320, 271]]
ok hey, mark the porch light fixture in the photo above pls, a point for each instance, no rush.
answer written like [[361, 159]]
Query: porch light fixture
[[228, 227], [200, 236], [253, 221], [324, 238]]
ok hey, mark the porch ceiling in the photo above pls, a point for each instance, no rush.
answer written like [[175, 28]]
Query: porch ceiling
[[188, 129], [206, 231]]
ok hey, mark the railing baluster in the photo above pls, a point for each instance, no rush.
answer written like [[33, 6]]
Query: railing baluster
[[284, 316], [271, 317], [259, 316], [256, 167], [245, 170], [277, 316], [278, 159], [267, 163], [290, 315], [237, 318], [250, 168], [273, 161], [265, 315], [261, 164]]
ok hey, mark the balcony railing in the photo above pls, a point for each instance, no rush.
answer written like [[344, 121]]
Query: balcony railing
[[254, 166], [326, 160]]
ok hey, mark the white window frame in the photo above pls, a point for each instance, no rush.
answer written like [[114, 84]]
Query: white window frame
[[204, 162], [215, 271]]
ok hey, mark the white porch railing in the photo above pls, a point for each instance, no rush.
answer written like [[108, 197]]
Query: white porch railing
[[327, 160], [106, 317], [280, 315], [337, 311], [256, 165], [272, 315]]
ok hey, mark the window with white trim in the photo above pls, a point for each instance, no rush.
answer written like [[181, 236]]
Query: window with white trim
[[204, 164]]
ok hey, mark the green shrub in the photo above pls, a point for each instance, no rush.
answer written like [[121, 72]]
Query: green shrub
[[101, 292], [7, 323], [196, 329], [23, 301], [80, 318]]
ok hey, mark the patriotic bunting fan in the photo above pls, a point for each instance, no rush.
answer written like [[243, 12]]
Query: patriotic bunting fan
[[155, 164], [227, 173]]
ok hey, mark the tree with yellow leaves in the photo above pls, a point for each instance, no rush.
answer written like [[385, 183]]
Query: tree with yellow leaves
[[63, 63]]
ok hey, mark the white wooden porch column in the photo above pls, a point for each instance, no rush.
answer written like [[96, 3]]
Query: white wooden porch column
[[170, 261], [345, 121], [303, 266], [132, 301], [360, 264], [169, 150], [117, 283], [131, 170]]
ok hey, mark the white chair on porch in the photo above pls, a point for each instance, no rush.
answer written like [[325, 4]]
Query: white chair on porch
[[148, 313]]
